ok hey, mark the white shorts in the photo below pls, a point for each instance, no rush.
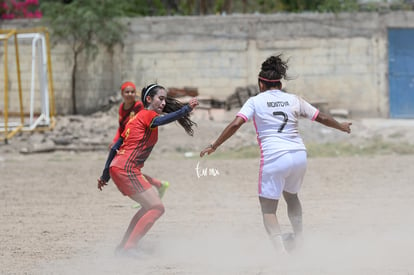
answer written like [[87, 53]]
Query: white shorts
[[283, 173]]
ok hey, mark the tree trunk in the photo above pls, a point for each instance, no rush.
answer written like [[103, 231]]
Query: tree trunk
[[227, 6], [203, 7], [74, 69]]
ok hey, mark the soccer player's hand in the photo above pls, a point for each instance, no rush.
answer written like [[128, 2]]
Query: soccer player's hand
[[101, 183], [208, 150], [346, 127], [193, 102]]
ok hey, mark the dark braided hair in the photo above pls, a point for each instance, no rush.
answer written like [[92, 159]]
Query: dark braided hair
[[171, 105], [273, 69]]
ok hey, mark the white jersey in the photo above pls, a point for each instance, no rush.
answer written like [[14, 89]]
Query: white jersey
[[275, 115]]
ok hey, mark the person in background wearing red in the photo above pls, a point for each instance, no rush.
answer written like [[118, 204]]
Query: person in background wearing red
[[128, 108]]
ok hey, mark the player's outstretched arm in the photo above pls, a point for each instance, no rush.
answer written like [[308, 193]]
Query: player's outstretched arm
[[226, 134], [329, 121], [170, 117]]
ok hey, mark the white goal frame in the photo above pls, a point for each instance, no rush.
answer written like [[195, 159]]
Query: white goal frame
[[40, 74]]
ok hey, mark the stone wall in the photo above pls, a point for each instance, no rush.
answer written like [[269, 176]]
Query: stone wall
[[341, 59]]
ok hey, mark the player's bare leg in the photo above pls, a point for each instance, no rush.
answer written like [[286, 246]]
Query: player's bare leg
[[161, 187], [294, 209], [271, 223]]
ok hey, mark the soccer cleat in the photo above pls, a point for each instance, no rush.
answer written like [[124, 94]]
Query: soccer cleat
[[128, 253], [289, 242], [278, 244], [164, 186]]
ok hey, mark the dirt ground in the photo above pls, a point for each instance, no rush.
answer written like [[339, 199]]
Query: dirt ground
[[54, 220]]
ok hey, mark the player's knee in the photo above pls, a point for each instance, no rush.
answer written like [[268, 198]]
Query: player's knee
[[268, 206], [290, 197], [159, 210]]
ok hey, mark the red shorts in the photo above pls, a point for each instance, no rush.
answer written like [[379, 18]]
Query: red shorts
[[129, 182]]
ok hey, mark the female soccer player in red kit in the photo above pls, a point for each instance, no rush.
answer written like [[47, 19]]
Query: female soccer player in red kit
[[127, 110], [129, 153]]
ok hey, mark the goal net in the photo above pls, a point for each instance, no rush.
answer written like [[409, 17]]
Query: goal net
[[26, 98]]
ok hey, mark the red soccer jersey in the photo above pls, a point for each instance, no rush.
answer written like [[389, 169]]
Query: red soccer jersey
[[125, 116], [139, 139]]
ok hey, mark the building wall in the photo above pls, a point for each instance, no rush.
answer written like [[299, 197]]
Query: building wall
[[341, 59]]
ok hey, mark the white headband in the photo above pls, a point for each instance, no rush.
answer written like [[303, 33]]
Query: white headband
[[149, 89]]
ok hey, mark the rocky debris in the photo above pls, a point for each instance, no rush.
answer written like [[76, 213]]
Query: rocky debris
[[344, 113], [205, 102], [39, 147], [181, 92], [71, 133], [240, 96], [95, 132]]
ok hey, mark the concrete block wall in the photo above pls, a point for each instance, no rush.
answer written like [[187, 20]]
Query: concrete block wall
[[338, 58]]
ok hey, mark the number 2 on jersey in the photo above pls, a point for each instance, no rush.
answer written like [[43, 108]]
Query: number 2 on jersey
[[285, 119]]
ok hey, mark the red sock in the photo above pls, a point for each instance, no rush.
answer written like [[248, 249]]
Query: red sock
[[143, 224], [131, 226], [152, 181]]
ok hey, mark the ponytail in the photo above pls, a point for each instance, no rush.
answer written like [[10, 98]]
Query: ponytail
[[171, 105]]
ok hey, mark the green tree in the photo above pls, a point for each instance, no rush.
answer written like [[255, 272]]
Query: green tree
[[133, 8], [338, 6], [84, 25]]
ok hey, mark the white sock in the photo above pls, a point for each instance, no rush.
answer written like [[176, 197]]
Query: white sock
[[277, 242]]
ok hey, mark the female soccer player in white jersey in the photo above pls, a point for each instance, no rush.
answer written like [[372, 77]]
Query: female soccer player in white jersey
[[275, 114]]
